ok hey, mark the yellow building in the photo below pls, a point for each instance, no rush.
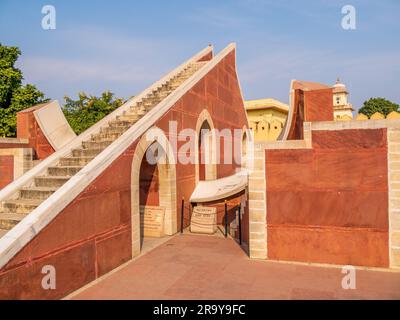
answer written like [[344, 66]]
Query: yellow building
[[266, 118], [342, 109]]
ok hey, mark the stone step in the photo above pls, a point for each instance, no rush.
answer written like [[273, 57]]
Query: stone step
[[75, 161], [96, 144], [151, 100], [142, 105], [63, 170], [98, 137], [134, 112], [175, 86], [164, 87], [23, 206], [182, 79], [186, 74], [118, 123], [141, 111], [51, 181], [86, 152], [163, 95], [128, 117], [113, 129], [132, 118], [36, 192], [9, 220], [163, 91]]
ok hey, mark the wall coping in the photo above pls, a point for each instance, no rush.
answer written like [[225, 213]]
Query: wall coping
[[14, 140], [355, 124], [328, 126]]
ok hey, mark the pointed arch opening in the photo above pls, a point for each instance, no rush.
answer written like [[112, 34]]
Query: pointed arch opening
[[206, 164], [153, 183]]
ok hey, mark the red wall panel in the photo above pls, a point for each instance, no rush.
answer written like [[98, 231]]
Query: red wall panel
[[329, 203], [28, 128], [6, 170]]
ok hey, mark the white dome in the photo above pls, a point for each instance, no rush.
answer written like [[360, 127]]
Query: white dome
[[339, 87]]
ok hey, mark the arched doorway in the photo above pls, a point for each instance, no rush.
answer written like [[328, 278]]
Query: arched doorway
[[204, 149], [148, 184], [153, 179], [206, 166]]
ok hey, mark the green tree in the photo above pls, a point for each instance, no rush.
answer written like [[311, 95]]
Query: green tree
[[378, 105], [87, 110], [10, 77], [14, 96]]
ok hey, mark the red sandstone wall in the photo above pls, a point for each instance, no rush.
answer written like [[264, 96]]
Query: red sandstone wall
[[92, 235], [206, 57], [329, 204], [28, 128], [318, 105], [6, 145], [6, 170], [313, 105]]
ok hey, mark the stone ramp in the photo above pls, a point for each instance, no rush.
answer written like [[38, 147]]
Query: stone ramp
[[29, 197], [91, 224]]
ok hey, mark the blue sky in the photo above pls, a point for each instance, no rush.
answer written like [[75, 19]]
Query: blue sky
[[124, 46]]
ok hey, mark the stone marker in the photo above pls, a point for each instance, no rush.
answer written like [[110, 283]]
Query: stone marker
[[204, 220], [152, 221]]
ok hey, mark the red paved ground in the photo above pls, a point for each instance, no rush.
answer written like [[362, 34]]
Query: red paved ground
[[202, 267]]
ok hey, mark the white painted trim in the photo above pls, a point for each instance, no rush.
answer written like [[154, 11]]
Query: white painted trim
[[212, 190], [285, 132], [14, 141], [31, 225], [355, 124]]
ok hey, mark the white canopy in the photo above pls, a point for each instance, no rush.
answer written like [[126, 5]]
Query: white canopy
[[212, 190]]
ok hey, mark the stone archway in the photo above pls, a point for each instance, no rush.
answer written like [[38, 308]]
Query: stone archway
[[167, 184], [205, 120]]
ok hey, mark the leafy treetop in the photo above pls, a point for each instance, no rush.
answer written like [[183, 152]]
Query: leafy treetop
[[380, 105], [87, 109], [14, 96]]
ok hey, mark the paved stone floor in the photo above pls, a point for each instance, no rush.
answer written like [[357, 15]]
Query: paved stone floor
[[206, 267]]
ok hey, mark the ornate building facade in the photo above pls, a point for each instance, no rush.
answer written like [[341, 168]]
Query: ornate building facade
[[266, 118]]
